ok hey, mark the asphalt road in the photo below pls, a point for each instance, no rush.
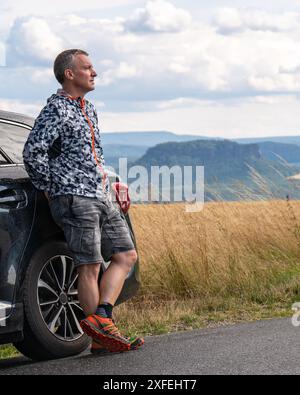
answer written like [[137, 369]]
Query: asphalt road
[[264, 347]]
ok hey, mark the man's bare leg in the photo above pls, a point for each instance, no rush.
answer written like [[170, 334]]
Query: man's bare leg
[[106, 336], [88, 289], [114, 277], [111, 283]]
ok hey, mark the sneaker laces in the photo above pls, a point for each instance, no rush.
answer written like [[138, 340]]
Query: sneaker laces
[[116, 331], [113, 329]]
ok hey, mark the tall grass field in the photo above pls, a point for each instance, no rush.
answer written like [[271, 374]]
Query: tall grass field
[[231, 262]]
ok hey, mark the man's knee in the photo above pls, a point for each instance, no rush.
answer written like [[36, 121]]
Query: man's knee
[[132, 257], [127, 258]]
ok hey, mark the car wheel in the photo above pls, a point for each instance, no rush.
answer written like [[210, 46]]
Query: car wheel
[[52, 311]]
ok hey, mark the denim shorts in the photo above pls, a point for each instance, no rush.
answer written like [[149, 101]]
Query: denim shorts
[[94, 229]]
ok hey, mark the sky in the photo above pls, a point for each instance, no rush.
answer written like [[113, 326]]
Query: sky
[[219, 68]]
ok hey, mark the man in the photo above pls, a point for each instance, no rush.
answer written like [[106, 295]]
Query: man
[[77, 187]]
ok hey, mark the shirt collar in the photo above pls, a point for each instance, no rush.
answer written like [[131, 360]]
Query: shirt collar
[[80, 100]]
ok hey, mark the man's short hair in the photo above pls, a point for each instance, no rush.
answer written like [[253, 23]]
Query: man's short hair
[[65, 61]]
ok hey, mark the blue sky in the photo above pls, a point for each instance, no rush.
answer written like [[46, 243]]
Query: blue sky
[[218, 68]]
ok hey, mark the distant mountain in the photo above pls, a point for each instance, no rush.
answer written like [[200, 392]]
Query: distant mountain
[[223, 159], [280, 139], [276, 151], [112, 153], [232, 171], [148, 139], [133, 145]]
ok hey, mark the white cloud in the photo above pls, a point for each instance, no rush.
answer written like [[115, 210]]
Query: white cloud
[[12, 9], [42, 76], [260, 20], [230, 20], [179, 66], [183, 102], [75, 20], [196, 62], [159, 16], [230, 119], [21, 107], [32, 42], [123, 71], [55, 6], [243, 63], [284, 99], [186, 65], [276, 83], [2, 54]]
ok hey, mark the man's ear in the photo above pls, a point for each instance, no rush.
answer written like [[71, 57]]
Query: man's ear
[[69, 74]]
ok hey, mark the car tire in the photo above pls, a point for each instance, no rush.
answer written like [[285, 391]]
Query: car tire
[[47, 335]]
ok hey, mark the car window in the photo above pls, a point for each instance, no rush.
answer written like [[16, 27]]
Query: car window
[[12, 140], [3, 161]]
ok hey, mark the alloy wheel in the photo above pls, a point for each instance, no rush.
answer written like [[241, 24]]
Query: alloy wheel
[[58, 298]]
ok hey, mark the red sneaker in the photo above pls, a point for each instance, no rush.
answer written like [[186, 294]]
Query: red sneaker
[[98, 347], [136, 342], [105, 332]]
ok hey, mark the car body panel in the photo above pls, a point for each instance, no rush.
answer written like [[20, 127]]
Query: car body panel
[[21, 119], [16, 219]]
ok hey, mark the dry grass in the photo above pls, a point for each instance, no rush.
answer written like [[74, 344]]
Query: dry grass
[[236, 257], [242, 249]]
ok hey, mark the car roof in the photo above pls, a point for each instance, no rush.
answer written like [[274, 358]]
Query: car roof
[[15, 117]]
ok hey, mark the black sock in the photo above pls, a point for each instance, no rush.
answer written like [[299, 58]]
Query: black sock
[[105, 310]]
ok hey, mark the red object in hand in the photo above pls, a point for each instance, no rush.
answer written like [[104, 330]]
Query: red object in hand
[[122, 195]]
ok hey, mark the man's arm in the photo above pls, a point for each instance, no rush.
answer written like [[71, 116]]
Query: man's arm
[[35, 154]]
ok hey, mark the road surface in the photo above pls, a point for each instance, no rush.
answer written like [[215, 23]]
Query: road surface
[[264, 347]]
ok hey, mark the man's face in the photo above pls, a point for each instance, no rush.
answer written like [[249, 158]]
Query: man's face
[[83, 73]]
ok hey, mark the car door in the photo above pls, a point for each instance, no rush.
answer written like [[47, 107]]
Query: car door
[[16, 211]]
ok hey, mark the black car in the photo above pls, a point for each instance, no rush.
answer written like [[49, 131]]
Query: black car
[[39, 307]]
